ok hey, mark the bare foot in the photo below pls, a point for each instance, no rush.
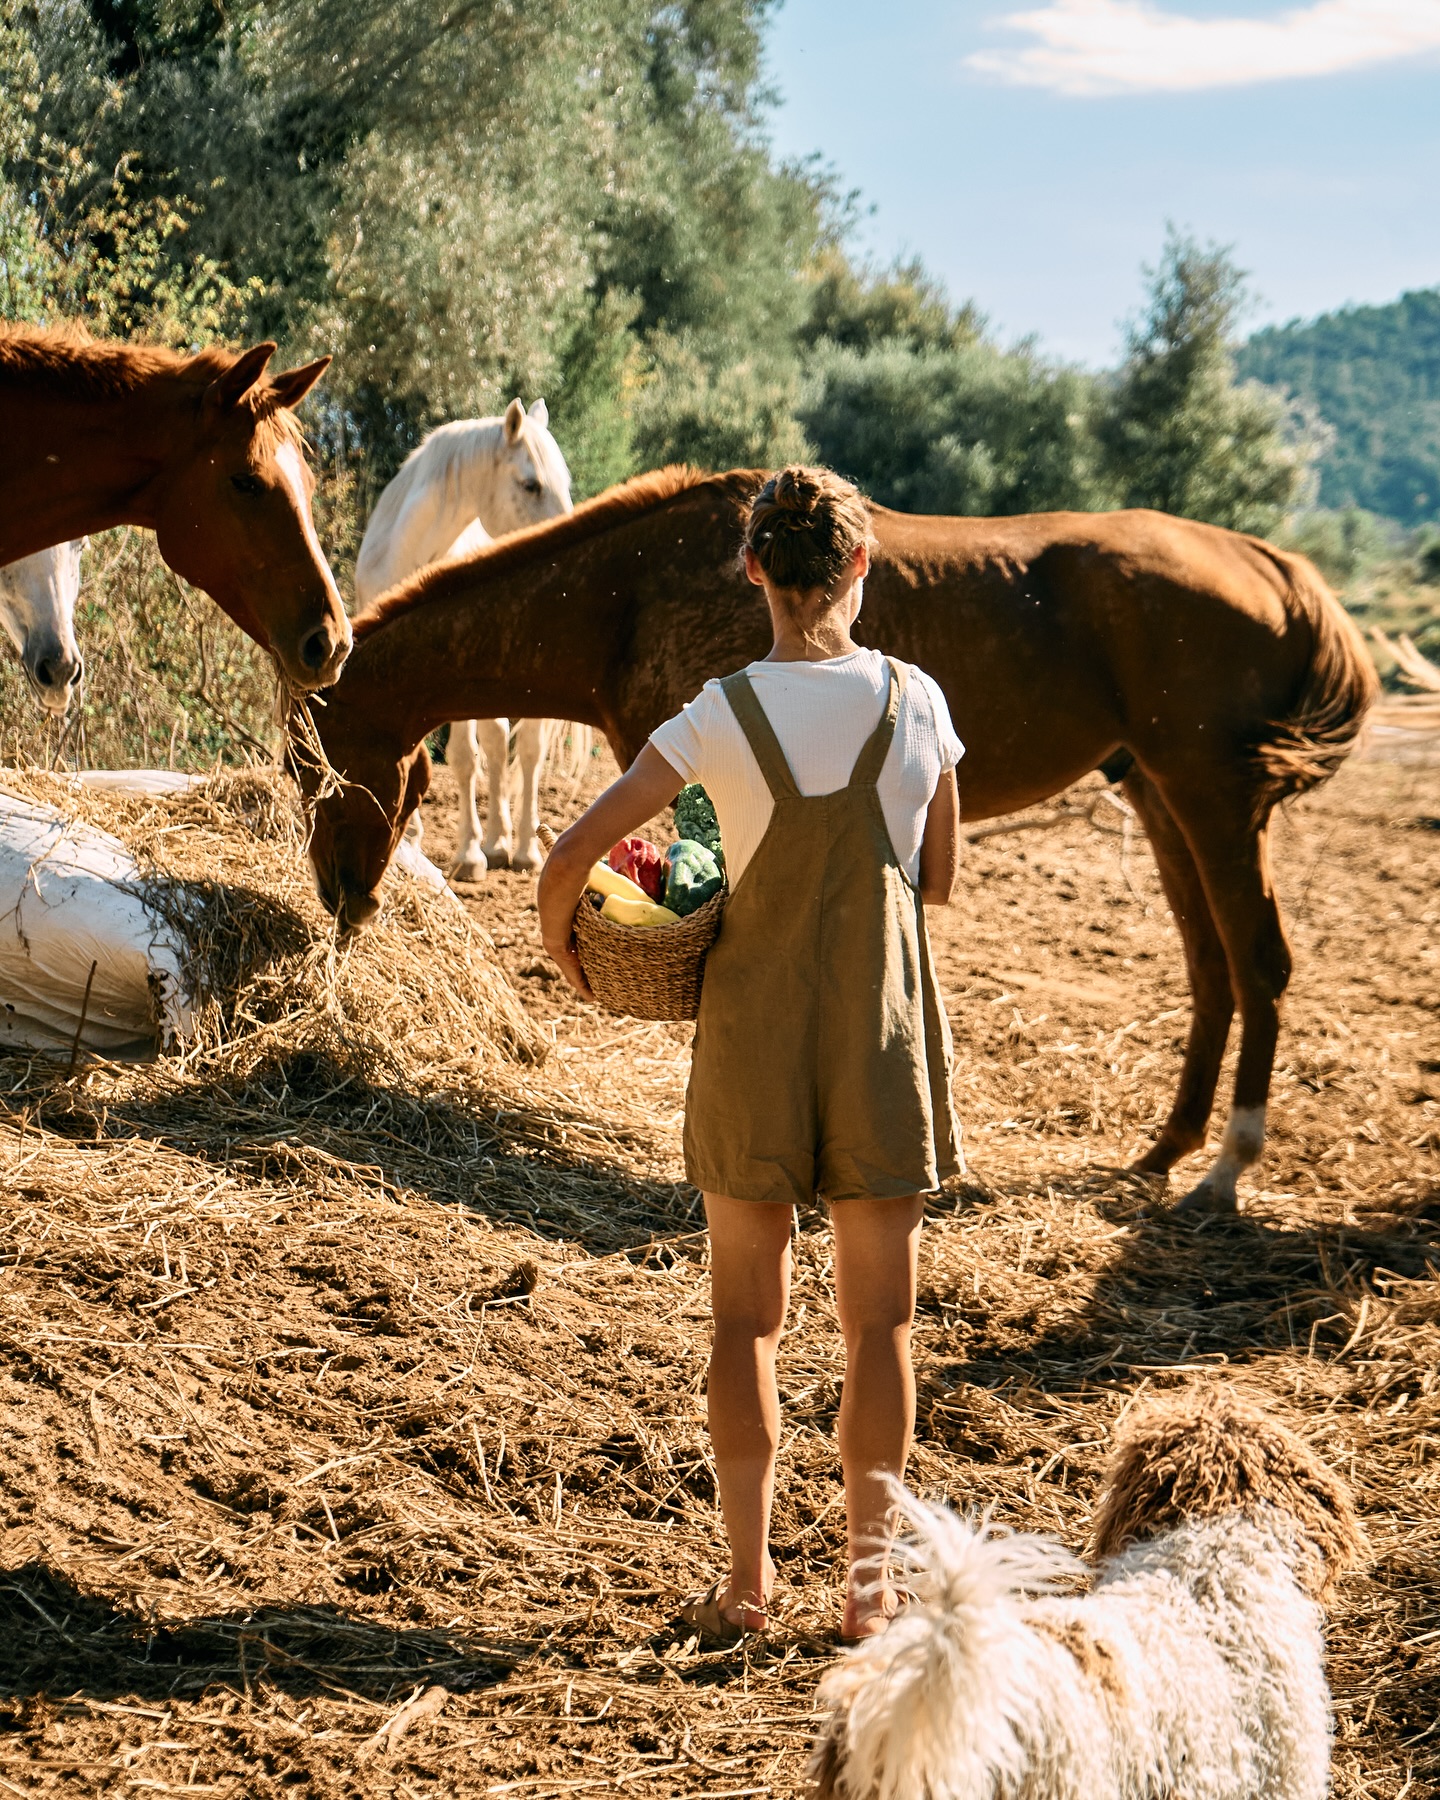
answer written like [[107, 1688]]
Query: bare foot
[[868, 1614]]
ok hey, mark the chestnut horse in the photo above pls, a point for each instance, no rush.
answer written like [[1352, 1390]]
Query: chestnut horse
[[1217, 672], [202, 450]]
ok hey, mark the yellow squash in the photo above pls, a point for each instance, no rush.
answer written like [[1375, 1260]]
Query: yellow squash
[[605, 880], [643, 911]]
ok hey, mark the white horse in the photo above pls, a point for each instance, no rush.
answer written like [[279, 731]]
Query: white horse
[[37, 610], [471, 480]]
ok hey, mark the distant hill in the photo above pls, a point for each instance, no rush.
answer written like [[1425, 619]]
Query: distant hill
[[1374, 374]]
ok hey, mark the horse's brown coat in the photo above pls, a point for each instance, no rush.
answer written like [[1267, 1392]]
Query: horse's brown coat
[[94, 434], [1223, 666]]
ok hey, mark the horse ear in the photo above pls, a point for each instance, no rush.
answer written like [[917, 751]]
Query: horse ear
[[230, 389], [539, 413], [291, 387], [514, 419]]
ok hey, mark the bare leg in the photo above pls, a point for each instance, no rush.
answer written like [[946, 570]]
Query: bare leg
[[1211, 999], [877, 1243], [493, 737], [532, 742], [464, 759], [749, 1292]]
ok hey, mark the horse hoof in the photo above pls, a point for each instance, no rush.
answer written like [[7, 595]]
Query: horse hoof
[[1210, 1200], [523, 861], [498, 856], [469, 868]]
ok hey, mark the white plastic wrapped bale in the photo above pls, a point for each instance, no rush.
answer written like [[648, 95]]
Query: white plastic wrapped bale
[[70, 904]]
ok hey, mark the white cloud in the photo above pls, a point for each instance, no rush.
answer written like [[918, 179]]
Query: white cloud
[[1128, 46]]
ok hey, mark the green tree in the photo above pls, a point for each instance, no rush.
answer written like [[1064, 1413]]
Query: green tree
[[858, 309], [973, 429], [1178, 433], [1373, 373]]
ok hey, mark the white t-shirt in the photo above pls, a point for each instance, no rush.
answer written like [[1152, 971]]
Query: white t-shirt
[[822, 713]]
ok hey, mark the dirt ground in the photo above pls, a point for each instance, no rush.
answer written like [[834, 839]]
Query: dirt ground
[[294, 1436]]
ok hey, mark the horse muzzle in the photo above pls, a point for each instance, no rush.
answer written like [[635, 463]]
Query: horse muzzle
[[55, 676], [315, 660]]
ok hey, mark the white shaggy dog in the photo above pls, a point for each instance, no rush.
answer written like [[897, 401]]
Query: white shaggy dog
[[1193, 1669]]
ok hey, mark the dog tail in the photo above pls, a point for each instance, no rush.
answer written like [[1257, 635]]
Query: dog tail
[[935, 1708], [1205, 1451]]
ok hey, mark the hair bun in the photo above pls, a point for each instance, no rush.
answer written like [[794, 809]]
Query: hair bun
[[797, 493]]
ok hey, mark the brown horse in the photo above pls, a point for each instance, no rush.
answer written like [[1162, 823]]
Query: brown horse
[[202, 450], [1217, 672]]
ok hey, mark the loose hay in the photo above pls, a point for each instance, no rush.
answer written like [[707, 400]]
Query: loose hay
[[309, 1407]]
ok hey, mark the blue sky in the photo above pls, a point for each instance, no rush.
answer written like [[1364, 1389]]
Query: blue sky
[[1033, 165]]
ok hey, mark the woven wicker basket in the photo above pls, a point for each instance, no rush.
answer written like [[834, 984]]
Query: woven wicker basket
[[652, 971]]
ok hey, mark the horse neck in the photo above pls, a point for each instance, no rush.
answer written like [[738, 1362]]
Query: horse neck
[[80, 461], [490, 648]]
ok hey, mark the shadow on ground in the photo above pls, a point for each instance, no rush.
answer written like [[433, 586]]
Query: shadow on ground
[[58, 1640], [1173, 1292], [549, 1169]]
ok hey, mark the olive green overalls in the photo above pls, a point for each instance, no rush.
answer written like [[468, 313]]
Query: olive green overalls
[[822, 1053]]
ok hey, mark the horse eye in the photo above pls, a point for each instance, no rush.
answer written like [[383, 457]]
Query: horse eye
[[531, 484], [247, 484]]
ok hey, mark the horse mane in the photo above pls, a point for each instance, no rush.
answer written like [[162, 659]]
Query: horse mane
[[617, 505], [89, 368]]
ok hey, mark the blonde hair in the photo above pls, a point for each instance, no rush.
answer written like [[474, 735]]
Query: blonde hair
[[805, 526]]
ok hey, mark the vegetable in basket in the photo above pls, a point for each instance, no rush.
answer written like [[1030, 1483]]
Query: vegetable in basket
[[602, 879], [637, 912], [693, 876], [695, 820], [641, 863]]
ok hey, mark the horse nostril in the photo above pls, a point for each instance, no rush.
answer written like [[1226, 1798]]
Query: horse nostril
[[79, 671], [315, 651], [45, 673]]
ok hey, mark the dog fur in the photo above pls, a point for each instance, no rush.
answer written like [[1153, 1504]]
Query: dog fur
[[1193, 1669]]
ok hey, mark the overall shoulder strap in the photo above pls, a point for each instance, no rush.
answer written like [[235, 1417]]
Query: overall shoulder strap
[[759, 734], [871, 759]]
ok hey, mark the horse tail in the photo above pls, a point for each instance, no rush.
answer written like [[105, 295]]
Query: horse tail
[[1298, 752]]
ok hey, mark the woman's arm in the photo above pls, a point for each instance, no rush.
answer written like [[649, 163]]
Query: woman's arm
[[940, 846], [646, 788]]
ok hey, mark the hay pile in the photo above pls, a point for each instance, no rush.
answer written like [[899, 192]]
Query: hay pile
[[410, 1020], [338, 1459]]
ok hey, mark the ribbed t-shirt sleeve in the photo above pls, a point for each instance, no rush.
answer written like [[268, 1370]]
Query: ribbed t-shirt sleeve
[[951, 749], [682, 741]]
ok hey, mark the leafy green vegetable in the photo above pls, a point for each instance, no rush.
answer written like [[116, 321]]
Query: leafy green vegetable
[[692, 877], [695, 820]]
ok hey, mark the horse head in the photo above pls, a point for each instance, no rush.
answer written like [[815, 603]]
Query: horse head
[[232, 514], [37, 611], [532, 478], [359, 791]]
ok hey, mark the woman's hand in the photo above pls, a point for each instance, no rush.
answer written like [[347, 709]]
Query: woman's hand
[[646, 788]]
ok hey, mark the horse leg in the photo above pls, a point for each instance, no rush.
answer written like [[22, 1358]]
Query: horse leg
[[532, 741], [470, 863], [493, 737], [1212, 1002], [1233, 855]]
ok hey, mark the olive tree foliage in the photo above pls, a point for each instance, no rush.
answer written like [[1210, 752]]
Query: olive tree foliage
[[1177, 431], [907, 396], [469, 199], [79, 235], [463, 199], [970, 430]]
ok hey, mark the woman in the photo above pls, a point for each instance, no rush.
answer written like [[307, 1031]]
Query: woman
[[822, 1055]]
